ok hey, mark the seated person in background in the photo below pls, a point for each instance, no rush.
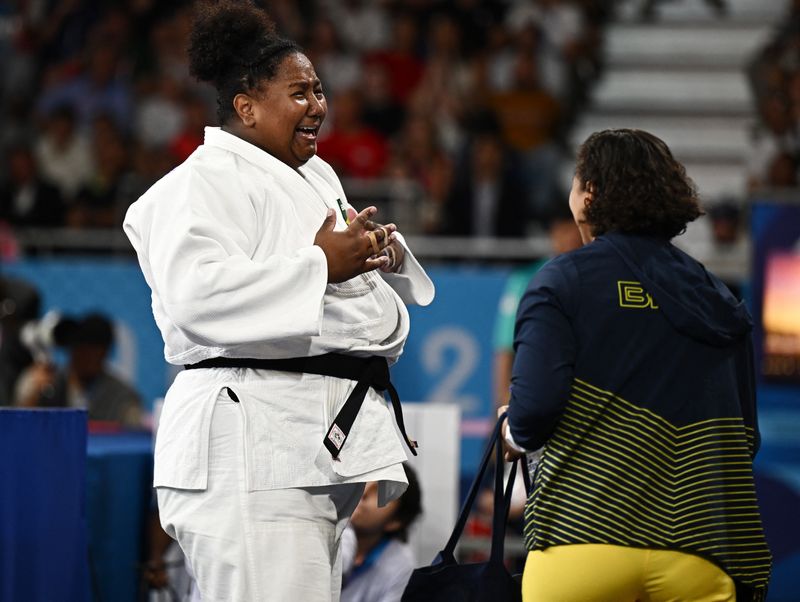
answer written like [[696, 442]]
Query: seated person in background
[[27, 200], [85, 382], [487, 196], [378, 561], [19, 303], [726, 223]]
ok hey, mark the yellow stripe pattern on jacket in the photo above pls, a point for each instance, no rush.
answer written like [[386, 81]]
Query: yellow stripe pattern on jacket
[[620, 474]]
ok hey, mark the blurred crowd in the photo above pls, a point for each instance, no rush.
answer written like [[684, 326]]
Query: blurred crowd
[[470, 100], [775, 80]]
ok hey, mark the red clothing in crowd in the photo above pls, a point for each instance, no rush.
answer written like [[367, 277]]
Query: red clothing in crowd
[[184, 145], [406, 72], [358, 154]]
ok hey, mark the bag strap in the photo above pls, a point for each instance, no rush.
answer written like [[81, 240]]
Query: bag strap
[[526, 474], [502, 504], [501, 500]]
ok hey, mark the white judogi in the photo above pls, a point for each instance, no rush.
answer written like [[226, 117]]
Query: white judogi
[[226, 243]]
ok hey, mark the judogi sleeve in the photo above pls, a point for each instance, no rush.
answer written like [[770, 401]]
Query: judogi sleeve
[[194, 241], [410, 281]]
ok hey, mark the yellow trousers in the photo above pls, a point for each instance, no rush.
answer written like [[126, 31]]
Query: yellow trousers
[[606, 573]]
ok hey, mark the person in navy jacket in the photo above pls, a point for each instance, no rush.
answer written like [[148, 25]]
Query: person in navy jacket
[[633, 378]]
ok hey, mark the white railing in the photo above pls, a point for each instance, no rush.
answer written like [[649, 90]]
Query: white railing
[[403, 202], [727, 263]]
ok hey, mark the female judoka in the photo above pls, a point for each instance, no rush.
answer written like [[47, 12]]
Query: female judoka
[[265, 286]]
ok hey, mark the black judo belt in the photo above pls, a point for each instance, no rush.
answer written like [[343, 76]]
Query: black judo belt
[[367, 372]]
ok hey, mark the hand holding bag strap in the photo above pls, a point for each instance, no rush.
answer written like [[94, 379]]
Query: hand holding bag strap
[[447, 554]]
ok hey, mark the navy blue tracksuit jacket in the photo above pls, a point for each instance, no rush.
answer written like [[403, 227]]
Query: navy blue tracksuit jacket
[[634, 369]]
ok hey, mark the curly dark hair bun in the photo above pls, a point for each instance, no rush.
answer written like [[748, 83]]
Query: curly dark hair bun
[[224, 34], [233, 46], [637, 185]]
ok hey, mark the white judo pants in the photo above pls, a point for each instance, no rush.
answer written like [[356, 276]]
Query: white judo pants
[[257, 546]]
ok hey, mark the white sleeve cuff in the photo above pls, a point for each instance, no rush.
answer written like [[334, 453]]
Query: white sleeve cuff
[[510, 440]]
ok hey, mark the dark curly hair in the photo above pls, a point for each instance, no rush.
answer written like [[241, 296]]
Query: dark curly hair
[[234, 46], [637, 185], [409, 505]]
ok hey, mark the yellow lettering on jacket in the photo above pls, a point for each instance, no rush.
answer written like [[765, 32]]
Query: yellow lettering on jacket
[[633, 295]]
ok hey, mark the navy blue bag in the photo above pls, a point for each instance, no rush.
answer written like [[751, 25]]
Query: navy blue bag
[[448, 581]]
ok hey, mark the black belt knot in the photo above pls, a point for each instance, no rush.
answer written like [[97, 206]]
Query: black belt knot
[[367, 372]]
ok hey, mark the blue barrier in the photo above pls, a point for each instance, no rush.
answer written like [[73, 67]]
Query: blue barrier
[[43, 545]]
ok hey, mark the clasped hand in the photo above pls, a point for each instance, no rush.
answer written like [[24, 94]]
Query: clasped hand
[[363, 246]]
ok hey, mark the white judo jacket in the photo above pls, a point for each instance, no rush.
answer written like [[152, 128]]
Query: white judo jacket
[[226, 244]]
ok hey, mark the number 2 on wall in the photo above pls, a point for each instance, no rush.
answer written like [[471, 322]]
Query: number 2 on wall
[[434, 355]]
